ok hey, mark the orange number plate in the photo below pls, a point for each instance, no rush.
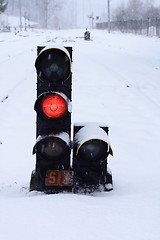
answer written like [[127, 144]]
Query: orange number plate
[[59, 178]]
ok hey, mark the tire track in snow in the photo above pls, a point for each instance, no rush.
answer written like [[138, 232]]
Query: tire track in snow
[[124, 80], [127, 83], [15, 56], [16, 85], [11, 90]]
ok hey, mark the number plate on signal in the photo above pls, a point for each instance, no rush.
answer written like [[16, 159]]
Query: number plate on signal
[[59, 178]]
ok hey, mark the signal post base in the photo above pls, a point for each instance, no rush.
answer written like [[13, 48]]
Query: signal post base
[[56, 181], [59, 181]]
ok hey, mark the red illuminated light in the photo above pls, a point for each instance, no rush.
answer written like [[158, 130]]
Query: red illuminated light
[[54, 106]]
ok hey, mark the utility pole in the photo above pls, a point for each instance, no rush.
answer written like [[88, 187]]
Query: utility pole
[[20, 15], [75, 14], [83, 14], [109, 22]]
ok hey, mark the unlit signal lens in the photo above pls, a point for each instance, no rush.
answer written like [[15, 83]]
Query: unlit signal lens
[[93, 150]]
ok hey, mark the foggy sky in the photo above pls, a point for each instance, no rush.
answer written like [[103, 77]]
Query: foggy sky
[[86, 7], [83, 8]]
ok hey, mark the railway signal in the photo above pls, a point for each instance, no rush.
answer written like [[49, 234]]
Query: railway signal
[[53, 131], [55, 171], [90, 153]]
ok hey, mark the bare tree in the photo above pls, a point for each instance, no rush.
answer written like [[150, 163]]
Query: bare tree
[[44, 12], [136, 10], [120, 14], [150, 11]]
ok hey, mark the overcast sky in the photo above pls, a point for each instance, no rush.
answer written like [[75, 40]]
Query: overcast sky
[[97, 7]]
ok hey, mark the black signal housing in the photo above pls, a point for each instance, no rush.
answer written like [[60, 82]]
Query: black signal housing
[[53, 127]]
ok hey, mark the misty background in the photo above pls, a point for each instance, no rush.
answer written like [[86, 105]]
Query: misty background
[[65, 14]]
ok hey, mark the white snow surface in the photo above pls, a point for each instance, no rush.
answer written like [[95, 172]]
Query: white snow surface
[[116, 79], [55, 46], [91, 131], [62, 135]]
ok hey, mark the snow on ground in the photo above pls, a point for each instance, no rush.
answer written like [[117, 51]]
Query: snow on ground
[[116, 80]]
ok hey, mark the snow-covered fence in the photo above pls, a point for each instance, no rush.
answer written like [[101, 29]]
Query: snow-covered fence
[[149, 27]]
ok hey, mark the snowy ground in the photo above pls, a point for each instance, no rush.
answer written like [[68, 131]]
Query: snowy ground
[[116, 80]]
